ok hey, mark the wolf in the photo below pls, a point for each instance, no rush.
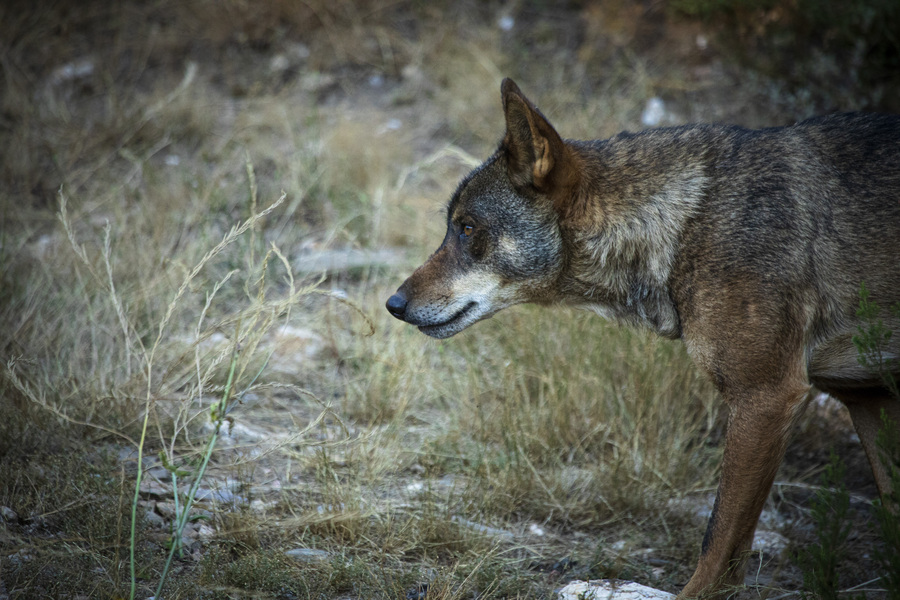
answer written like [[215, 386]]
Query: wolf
[[751, 246]]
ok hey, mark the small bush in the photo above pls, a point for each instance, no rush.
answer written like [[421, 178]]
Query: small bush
[[872, 344], [829, 510], [887, 510]]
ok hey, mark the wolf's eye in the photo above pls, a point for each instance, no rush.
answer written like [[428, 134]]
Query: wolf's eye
[[467, 231]]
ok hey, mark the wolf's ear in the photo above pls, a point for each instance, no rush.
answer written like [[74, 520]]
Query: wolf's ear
[[535, 151]]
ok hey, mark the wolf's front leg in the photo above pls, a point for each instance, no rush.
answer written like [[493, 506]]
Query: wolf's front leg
[[759, 427]]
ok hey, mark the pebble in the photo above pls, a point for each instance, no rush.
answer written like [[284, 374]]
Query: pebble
[[308, 555], [769, 542], [654, 112], [155, 520]]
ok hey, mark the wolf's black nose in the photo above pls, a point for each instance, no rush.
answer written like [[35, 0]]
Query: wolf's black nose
[[396, 305]]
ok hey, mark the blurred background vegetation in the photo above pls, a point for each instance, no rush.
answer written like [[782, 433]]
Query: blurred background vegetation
[[537, 447]]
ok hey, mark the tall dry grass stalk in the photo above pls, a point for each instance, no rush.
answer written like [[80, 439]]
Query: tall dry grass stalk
[[250, 321]]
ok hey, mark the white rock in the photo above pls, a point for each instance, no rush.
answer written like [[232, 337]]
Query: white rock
[[279, 63], [206, 532], [308, 555], [611, 589], [262, 506], [506, 23], [77, 69], [242, 433], [225, 496], [482, 529], [654, 112], [392, 124], [300, 51], [769, 542]]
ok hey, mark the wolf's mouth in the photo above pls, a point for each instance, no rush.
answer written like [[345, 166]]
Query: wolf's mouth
[[438, 329]]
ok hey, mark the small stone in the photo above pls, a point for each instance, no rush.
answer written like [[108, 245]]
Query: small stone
[[153, 489], [166, 509], [769, 542], [262, 506], [299, 51], [155, 520], [189, 532], [219, 495], [8, 514], [279, 63], [482, 529], [159, 474], [308, 555], [205, 532], [77, 69], [654, 112]]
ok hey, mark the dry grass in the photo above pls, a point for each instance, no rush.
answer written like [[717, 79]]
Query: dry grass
[[471, 465]]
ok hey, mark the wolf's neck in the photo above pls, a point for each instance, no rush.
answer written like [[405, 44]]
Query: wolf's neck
[[623, 248]]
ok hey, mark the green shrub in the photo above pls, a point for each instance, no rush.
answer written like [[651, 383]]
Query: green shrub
[[829, 510], [872, 347], [887, 510]]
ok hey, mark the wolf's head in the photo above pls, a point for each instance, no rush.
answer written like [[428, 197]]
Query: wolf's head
[[503, 244]]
